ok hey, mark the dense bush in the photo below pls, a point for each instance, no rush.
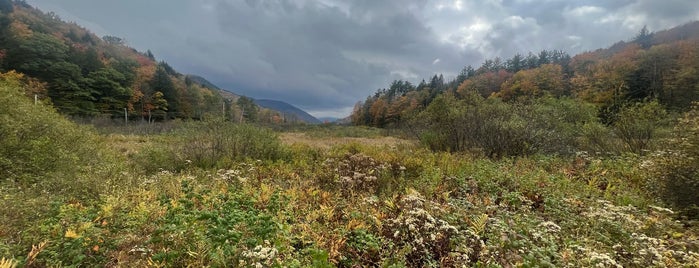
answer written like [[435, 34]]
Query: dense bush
[[500, 129], [637, 124], [215, 142], [211, 143], [445, 210], [39, 148], [675, 171], [45, 160]]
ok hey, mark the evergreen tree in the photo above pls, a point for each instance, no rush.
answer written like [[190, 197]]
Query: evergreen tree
[[249, 109], [466, 73], [162, 82], [515, 64], [644, 38], [35, 55], [150, 55], [112, 95], [68, 90], [544, 58], [88, 60], [6, 6]]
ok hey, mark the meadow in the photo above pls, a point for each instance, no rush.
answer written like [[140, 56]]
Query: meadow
[[212, 193]]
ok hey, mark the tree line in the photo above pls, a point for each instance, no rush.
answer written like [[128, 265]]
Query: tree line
[[659, 72]]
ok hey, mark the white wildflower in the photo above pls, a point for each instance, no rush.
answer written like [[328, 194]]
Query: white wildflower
[[550, 226], [662, 209], [603, 260]]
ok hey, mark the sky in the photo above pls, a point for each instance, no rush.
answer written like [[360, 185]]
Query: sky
[[324, 56]]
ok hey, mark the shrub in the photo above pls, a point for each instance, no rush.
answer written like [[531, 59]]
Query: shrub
[[212, 143], [637, 124], [40, 148], [45, 159], [500, 129], [598, 138], [675, 172]]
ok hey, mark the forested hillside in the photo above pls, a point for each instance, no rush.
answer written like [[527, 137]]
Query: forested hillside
[[658, 66], [84, 75]]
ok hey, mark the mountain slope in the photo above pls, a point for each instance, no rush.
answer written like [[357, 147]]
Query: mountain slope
[[660, 66], [202, 81], [84, 75], [228, 95], [288, 110]]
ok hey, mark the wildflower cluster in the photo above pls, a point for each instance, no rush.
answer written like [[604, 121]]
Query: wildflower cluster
[[260, 256], [592, 258], [231, 175], [546, 231], [646, 251], [239, 174], [610, 213], [428, 239], [355, 172], [636, 246]]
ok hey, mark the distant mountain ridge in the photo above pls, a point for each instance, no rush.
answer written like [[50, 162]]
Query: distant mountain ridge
[[288, 110], [292, 113], [328, 119]]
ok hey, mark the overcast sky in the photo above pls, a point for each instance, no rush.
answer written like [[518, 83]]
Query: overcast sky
[[325, 55]]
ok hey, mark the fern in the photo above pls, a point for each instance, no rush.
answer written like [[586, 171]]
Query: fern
[[478, 224], [7, 263]]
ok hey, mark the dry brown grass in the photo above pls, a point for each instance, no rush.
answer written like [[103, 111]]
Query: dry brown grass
[[127, 145], [328, 142]]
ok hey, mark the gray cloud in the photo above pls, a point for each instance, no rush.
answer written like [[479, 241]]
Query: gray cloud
[[324, 55]]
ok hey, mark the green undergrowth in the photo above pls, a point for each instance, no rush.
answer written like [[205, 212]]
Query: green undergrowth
[[216, 194], [355, 205]]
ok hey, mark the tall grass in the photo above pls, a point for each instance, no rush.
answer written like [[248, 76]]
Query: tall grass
[[212, 143]]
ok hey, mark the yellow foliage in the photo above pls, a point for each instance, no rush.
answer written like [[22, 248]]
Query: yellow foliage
[[107, 209], [265, 192], [478, 224], [326, 212], [36, 249], [20, 29], [12, 77], [7, 263], [70, 233], [354, 224]]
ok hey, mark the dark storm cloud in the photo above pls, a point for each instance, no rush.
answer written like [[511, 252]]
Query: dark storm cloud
[[327, 53], [324, 55]]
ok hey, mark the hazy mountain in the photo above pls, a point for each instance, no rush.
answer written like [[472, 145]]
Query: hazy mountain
[[290, 112], [328, 119]]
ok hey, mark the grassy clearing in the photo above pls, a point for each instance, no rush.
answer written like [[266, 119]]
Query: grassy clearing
[[327, 142]]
